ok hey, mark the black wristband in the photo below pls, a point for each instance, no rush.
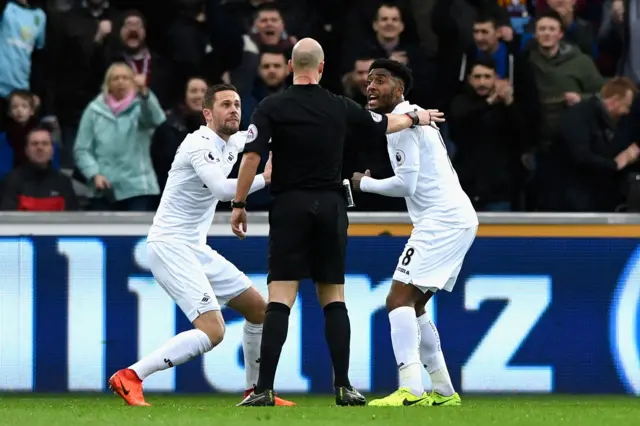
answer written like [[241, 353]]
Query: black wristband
[[414, 117], [238, 204]]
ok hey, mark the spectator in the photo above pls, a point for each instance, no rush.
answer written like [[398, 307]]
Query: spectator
[[22, 37], [182, 120], [589, 167], [36, 185], [620, 35], [78, 40], [202, 40], [132, 49], [268, 30], [388, 26], [489, 130], [20, 122], [512, 68], [452, 22], [114, 137], [564, 76], [576, 31], [355, 82], [272, 75]]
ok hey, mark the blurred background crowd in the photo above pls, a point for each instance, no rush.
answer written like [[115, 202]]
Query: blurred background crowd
[[539, 96]]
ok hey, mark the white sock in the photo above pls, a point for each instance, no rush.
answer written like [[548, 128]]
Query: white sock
[[405, 338], [432, 357], [178, 350], [251, 339]]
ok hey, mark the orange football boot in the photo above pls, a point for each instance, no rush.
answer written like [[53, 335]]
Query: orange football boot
[[279, 401], [128, 385]]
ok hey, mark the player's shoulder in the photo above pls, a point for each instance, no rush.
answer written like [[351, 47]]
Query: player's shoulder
[[239, 139], [197, 140]]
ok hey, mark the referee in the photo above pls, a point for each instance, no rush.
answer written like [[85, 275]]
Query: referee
[[304, 127]]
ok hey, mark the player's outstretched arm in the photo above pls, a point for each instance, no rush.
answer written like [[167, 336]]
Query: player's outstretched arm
[[210, 173], [406, 159], [425, 117]]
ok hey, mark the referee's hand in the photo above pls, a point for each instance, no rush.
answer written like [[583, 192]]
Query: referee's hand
[[239, 222]]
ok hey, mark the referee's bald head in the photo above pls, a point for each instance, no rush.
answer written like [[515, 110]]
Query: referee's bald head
[[307, 55]]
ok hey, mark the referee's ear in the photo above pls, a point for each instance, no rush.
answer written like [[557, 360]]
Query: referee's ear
[[290, 66]]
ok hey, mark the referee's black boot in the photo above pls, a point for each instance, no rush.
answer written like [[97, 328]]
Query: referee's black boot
[[349, 397], [264, 399]]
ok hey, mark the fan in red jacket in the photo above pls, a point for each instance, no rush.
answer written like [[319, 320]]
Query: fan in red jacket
[[36, 186]]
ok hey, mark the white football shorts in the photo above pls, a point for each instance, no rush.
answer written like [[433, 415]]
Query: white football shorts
[[432, 259], [196, 277]]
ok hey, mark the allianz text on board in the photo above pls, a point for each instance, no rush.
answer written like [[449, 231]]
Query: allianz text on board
[[527, 315]]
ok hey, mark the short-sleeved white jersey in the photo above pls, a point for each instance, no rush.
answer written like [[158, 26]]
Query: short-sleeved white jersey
[[438, 200], [188, 204]]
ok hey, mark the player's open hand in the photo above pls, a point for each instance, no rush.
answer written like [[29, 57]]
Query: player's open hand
[[239, 222], [430, 116]]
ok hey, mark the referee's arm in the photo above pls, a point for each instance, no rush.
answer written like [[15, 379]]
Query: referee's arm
[[258, 137], [389, 123]]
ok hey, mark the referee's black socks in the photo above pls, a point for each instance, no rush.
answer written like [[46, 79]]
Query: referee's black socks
[[337, 330], [274, 334]]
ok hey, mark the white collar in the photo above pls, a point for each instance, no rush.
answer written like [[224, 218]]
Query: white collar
[[220, 143], [402, 107]]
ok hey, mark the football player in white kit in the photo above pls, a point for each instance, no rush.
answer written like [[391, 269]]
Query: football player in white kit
[[444, 227], [196, 277]]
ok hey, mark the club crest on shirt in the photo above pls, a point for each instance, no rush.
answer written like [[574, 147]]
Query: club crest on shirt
[[210, 158], [252, 133], [400, 157], [376, 117]]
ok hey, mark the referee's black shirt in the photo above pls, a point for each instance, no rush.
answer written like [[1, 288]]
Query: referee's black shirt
[[305, 128]]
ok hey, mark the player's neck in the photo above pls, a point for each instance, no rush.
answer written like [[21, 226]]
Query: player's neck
[[220, 135], [390, 108], [305, 79]]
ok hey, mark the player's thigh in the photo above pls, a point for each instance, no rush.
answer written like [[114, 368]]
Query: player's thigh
[[290, 238], [224, 278], [432, 260], [179, 272], [250, 304], [330, 237]]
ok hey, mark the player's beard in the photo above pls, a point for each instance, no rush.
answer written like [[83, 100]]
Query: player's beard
[[386, 104], [228, 129]]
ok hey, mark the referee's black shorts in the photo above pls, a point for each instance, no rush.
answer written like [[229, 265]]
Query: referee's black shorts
[[308, 237]]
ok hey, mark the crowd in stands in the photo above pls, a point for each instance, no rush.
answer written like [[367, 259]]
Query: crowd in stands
[[539, 96]]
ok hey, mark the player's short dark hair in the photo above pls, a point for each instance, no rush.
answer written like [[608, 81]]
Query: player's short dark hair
[[210, 95], [485, 16], [397, 69], [483, 60], [550, 14]]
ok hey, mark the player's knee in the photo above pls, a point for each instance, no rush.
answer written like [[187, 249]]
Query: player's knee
[[212, 324], [256, 316], [400, 296]]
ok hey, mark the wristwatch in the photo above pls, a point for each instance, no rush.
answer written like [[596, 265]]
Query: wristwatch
[[413, 115], [238, 204]]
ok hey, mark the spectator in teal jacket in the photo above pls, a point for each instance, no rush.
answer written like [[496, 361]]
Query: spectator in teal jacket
[[113, 142]]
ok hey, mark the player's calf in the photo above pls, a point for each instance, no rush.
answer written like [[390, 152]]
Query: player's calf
[[432, 357], [405, 335]]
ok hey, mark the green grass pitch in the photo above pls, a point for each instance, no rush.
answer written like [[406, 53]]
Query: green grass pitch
[[220, 410]]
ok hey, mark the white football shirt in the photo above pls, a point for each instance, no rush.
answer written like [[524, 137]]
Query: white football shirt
[[197, 181], [426, 178]]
